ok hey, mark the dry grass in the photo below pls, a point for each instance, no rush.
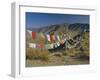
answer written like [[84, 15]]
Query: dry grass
[[73, 52], [85, 44], [37, 54], [44, 55], [29, 53]]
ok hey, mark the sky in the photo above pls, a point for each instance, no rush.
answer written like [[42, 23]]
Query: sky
[[36, 20]]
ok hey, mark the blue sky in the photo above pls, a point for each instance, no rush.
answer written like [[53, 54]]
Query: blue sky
[[36, 20]]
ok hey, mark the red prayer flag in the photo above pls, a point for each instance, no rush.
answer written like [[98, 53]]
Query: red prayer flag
[[41, 46], [33, 35]]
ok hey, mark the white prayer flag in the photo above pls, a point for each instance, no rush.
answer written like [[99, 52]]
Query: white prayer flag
[[48, 37], [32, 45], [58, 38], [30, 32]]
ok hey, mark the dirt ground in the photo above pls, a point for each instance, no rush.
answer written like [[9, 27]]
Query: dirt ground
[[56, 60]]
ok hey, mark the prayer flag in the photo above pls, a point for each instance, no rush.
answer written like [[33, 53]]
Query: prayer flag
[[47, 46], [48, 37], [42, 35], [33, 35], [58, 43], [52, 45], [30, 32], [32, 45], [40, 46], [52, 37], [55, 44], [58, 38], [61, 42]]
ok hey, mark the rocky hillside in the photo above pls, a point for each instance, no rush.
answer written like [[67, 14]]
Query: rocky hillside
[[70, 29]]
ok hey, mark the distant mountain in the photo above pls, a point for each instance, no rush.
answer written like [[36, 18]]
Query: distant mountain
[[70, 29], [33, 29], [79, 27]]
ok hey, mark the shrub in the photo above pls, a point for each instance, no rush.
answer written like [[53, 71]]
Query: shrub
[[64, 53], [72, 52], [37, 54], [29, 53], [44, 55], [83, 50], [85, 44]]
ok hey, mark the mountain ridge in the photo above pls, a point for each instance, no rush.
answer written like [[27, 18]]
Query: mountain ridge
[[70, 29]]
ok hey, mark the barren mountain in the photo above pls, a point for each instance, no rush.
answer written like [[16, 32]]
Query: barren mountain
[[70, 29]]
